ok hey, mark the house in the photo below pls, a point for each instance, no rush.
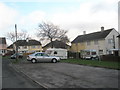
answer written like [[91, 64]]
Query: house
[[26, 46], [56, 44], [119, 43], [10, 48], [3, 45], [102, 41]]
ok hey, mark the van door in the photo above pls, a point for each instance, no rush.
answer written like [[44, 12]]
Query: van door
[[55, 53]]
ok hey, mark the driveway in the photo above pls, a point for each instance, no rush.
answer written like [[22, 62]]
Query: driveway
[[64, 75]]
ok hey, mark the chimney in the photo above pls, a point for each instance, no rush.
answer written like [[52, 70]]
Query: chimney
[[27, 39], [84, 32], [102, 28]]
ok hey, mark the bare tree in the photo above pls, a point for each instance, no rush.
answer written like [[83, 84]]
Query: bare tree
[[50, 32], [20, 35], [23, 35], [11, 36], [64, 39]]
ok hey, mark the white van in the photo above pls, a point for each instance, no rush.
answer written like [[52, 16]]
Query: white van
[[59, 52], [89, 54]]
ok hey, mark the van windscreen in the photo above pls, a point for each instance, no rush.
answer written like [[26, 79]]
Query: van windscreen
[[93, 53]]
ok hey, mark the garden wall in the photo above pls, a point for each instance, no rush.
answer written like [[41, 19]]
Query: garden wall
[[110, 58]]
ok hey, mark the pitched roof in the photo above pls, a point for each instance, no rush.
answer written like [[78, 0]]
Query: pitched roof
[[11, 46], [25, 43], [118, 36], [57, 44], [29, 43], [2, 40], [92, 36]]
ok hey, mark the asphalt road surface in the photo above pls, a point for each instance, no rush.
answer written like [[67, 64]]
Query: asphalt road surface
[[65, 75], [14, 79]]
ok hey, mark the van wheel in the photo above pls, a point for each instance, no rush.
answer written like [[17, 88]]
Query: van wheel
[[97, 58], [92, 58], [33, 60], [54, 60]]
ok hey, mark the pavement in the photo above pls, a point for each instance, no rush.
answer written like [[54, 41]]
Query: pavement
[[12, 78], [65, 75], [0, 72]]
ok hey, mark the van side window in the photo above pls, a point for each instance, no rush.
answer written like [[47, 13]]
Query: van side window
[[55, 52], [93, 53], [88, 53]]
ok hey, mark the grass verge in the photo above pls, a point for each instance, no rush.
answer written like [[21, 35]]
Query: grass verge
[[14, 61], [96, 63]]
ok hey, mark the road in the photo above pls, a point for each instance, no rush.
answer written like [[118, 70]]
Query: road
[[65, 75], [14, 79]]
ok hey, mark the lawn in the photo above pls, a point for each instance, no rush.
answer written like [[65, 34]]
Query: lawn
[[105, 64], [14, 60]]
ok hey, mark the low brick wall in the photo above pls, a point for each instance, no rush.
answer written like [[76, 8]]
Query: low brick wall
[[73, 54], [110, 58]]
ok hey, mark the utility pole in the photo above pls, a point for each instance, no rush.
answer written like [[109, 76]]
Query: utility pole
[[16, 52], [99, 57], [113, 42]]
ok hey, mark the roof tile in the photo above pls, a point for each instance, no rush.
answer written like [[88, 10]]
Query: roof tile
[[92, 36]]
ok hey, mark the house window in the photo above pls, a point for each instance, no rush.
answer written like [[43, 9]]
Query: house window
[[110, 41], [101, 52], [25, 51], [96, 42], [88, 43], [2, 51], [76, 44], [33, 47], [24, 47], [38, 46], [18, 47]]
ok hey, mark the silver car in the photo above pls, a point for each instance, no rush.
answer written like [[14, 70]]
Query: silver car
[[42, 57]]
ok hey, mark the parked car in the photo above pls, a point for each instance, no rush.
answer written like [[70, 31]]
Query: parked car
[[40, 56], [15, 55]]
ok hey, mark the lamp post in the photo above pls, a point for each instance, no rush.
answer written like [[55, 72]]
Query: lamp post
[[99, 53], [16, 52]]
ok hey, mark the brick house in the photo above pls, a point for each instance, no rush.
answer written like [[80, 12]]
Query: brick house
[[119, 43], [3, 45], [102, 41], [56, 44], [25, 46]]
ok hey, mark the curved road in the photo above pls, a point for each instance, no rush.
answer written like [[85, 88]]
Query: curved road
[[13, 79]]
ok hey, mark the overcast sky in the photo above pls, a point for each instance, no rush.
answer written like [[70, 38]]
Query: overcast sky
[[75, 16]]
